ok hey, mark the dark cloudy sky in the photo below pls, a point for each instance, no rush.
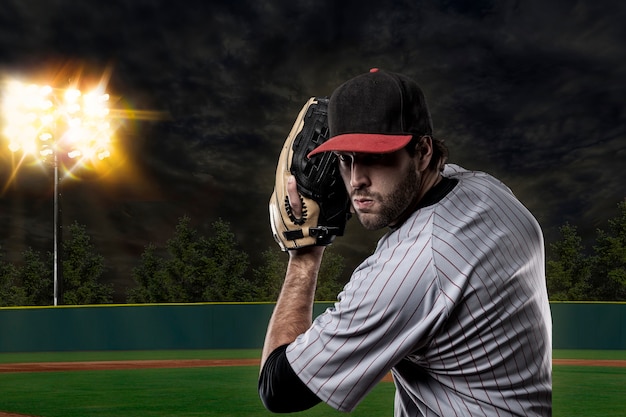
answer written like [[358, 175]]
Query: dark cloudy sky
[[530, 91]]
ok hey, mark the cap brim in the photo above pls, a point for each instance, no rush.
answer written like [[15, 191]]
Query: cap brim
[[363, 143]]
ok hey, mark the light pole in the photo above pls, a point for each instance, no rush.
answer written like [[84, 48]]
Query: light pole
[[56, 125], [57, 272]]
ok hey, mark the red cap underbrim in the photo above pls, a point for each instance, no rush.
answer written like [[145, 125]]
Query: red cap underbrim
[[363, 143]]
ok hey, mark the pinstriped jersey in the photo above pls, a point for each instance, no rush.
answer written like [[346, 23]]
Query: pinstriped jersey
[[453, 303]]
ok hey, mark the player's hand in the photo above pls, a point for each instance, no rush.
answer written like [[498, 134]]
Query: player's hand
[[296, 207], [294, 197]]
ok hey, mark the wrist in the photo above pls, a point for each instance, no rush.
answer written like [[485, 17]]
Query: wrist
[[308, 258], [307, 252]]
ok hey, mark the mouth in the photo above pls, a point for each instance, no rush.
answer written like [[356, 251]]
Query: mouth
[[362, 203]]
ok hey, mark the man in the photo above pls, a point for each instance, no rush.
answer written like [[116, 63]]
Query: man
[[453, 301]]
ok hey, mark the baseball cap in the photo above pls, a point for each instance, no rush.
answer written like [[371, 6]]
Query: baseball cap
[[376, 112]]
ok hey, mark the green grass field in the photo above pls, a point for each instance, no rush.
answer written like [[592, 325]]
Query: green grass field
[[578, 390]]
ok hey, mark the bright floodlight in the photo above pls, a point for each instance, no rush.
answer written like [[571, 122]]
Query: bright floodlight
[[41, 120]]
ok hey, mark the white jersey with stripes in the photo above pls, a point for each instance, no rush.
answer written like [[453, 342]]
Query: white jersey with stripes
[[453, 303]]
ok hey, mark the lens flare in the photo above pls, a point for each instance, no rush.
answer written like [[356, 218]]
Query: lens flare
[[34, 116], [76, 127]]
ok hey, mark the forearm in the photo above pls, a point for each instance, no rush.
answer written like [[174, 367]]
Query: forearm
[[294, 308]]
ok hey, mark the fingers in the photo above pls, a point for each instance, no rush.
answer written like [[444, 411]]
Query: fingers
[[294, 197]]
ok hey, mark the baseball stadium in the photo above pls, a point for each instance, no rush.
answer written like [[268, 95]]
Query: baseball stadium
[[203, 360], [477, 147]]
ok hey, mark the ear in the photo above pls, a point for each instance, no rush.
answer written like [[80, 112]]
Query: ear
[[423, 152]]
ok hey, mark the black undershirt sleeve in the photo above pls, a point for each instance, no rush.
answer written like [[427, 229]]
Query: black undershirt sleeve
[[280, 388]]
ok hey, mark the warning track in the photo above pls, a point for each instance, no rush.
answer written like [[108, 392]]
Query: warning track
[[117, 365], [196, 363]]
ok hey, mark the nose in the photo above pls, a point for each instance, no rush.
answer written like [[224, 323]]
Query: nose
[[358, 175]]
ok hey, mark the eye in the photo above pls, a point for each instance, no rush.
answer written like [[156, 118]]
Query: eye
[[366, 159], [344, 158]]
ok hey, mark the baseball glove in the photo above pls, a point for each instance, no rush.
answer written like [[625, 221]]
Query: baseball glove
[[325, 202]]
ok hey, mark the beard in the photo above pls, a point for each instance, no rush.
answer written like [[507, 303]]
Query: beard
[[392, 205]]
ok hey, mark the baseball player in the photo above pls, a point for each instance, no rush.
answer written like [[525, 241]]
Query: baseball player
[[452, 302]]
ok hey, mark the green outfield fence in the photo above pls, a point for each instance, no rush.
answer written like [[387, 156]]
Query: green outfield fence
[[234, 326], [588, 325]]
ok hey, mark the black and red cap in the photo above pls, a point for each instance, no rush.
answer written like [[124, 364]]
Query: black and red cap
[[376, 112]]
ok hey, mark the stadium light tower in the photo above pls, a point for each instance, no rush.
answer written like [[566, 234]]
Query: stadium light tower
[[52, 126]]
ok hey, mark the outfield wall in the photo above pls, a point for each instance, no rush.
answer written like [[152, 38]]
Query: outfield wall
[[136, 327], [588, 325], [234, 326]]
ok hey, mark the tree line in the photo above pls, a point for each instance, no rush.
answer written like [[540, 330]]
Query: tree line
[[188, 268], [575, 272], [191, 267]]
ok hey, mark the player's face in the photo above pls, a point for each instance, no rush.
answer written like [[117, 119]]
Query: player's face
[[381, 186]]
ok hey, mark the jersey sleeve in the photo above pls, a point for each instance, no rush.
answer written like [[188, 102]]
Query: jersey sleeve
[[390, 308]]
